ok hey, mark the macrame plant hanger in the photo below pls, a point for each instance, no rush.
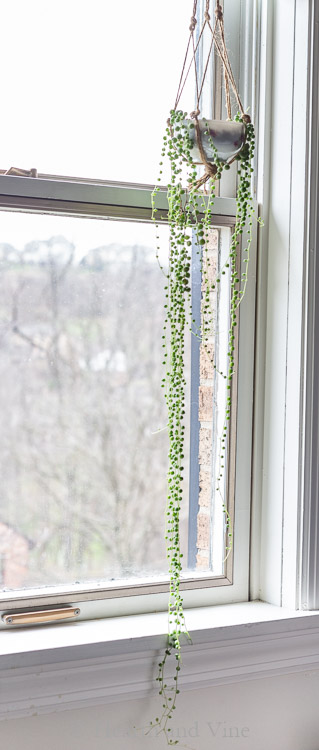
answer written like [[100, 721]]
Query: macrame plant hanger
[[218, 45]]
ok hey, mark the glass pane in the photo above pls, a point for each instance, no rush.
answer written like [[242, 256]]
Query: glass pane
[[88, 87], [83, 439], [83, 444]]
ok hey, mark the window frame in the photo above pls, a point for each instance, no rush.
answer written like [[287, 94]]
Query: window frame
[[285, 531], [269, 576], [73, 197], [82, 197], [308, 580]]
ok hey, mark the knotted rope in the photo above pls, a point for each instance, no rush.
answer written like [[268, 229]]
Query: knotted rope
[[210, 169], [218, 44]]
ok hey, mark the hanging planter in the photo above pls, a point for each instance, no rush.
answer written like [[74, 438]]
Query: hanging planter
[[189, 141], [218, 138]]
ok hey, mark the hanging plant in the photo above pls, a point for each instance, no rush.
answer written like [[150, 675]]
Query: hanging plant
[[191, 141]]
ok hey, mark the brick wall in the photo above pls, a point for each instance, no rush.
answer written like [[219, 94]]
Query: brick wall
[[205, 415]]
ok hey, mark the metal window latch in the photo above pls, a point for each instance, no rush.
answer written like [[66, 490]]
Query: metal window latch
[[22, 172], [41, 616]]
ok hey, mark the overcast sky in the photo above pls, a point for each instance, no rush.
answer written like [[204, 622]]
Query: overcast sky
[[86, 90], [88, 85]]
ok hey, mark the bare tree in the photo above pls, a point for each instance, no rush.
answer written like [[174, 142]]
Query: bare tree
[[83, 452]]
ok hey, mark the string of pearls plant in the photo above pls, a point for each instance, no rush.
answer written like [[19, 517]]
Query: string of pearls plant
[[190, 211]]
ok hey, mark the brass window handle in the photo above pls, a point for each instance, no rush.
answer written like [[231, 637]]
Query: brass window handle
[[47, 615]]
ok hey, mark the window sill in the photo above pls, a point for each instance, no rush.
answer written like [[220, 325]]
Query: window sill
[[53, 668]]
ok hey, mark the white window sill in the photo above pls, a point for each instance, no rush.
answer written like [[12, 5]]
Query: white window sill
[[57, 667]]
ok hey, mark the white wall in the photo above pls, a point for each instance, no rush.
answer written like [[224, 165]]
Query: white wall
[[277, 713]]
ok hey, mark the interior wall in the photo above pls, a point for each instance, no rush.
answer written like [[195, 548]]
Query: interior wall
[[277, 713]]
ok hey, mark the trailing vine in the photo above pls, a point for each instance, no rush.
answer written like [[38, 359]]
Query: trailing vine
[[190, 213]]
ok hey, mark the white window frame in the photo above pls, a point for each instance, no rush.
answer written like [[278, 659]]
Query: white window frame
[[69, 196], [285, 496], [283, 477], [74, 197], [308, 573]]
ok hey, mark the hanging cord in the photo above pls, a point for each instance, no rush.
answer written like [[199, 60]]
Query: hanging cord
[[221, 49], [218, 41], [210, 169], [220, 21], [219, 44], [181, 85]]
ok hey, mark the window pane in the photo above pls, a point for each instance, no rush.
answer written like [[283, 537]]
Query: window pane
[[83, 440], [88, 86], [83, 443]]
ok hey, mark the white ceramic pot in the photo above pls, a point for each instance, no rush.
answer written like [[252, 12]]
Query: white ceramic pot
[[228, 138]]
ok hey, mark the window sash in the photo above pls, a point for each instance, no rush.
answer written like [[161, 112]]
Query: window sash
[[82, 197], [69, 196]]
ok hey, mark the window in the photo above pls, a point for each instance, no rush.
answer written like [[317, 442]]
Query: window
[[81, 372], [80, 383]]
